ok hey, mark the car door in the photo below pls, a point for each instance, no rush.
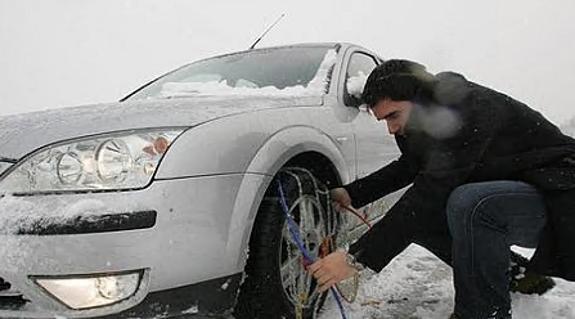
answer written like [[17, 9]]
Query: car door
[[375, 147]]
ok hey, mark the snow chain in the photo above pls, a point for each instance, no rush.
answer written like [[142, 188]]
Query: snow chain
[[300, 237]]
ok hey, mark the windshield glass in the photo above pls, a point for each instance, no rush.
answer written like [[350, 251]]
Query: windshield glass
[[277, 71]]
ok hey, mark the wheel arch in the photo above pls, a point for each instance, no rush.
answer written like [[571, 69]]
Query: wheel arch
[[300, 146]]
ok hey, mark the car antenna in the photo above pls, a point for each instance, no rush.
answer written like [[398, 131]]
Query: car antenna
[[265, 32]]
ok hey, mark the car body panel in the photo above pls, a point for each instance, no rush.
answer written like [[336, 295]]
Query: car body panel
[[231, 144], [22, 133]]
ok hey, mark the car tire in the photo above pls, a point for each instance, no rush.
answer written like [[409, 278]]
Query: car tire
[[273, 276]]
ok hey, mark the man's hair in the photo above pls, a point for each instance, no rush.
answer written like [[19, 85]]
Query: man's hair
[[399, 80]]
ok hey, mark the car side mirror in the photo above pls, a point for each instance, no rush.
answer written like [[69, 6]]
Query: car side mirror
[[351, 100]]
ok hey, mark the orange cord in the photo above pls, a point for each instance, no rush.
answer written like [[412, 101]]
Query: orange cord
[[358, 215]]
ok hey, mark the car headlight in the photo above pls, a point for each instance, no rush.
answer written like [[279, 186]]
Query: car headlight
[[91, 291], [105, 162]]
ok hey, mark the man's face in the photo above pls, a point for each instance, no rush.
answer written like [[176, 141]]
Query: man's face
[[395, 113]]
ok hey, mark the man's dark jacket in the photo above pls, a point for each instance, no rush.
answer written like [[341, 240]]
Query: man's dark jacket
[[470, 134]]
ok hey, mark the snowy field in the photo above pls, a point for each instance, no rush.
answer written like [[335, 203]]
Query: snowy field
[[417, 285]]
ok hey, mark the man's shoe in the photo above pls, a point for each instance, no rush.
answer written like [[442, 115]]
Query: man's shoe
[[526, 282]]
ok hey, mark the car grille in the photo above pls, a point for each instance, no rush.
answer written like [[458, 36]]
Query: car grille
[[10, 299]]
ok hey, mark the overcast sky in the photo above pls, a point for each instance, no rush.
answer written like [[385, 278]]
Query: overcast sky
[[69, 52]]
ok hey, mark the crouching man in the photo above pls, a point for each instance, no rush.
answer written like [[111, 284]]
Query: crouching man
[[486, 172]]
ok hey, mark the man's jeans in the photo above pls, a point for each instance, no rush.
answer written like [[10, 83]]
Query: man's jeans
[[485, 219]]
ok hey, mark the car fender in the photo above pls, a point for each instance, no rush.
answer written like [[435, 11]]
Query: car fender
[[223, 146], [270, 158]]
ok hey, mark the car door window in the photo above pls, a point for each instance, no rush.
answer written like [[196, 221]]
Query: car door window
[[358, 69]]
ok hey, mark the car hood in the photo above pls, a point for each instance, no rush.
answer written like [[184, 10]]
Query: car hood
[[22, 133]]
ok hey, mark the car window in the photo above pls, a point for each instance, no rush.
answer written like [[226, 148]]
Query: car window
[[293, 70], [358, 69]]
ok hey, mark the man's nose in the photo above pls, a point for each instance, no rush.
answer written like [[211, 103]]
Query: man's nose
[[392, 129]]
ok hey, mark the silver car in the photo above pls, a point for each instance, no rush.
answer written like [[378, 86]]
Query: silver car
[[173, 201]]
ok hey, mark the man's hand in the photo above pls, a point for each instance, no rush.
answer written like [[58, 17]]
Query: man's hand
[[341, 198], [331, 269]]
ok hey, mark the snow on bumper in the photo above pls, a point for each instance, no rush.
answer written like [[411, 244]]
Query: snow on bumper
[[191, 239]]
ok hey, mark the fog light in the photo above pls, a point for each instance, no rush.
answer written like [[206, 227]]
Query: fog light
[[91, 291]]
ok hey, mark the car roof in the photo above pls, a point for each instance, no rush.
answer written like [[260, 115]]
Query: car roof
[[336, 45]]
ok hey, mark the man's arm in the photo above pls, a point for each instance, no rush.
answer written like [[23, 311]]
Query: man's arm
[[386, 180]]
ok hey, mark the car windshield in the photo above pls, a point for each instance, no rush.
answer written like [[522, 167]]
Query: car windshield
[[276, 71]]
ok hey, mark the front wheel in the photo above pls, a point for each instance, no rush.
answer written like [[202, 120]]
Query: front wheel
[[277, 284]]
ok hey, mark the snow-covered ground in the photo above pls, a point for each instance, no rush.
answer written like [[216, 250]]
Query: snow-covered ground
[[418, 285]]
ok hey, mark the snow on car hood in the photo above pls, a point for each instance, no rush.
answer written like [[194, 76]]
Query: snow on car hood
[[23, 133]]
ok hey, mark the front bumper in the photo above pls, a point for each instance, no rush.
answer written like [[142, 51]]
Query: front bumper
[[193, 238]]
